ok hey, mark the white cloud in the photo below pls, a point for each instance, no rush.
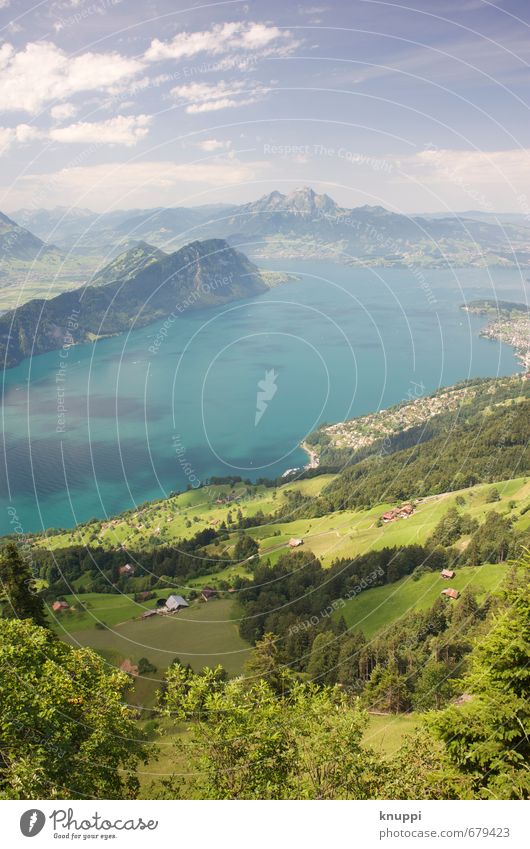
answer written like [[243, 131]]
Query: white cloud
[[63, 111], [134, 184], [22, 134], [211, 145], [125, 130], [224, 38], [42, 72], [202, 97], [472, 166]]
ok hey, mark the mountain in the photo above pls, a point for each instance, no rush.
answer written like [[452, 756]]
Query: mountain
[[128, 264], [202, 274], [302, 224], [17, 243]]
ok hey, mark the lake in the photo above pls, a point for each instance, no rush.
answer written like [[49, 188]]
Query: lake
[[101, 428]]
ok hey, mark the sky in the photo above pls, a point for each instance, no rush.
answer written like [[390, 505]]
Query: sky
[[415, 105]]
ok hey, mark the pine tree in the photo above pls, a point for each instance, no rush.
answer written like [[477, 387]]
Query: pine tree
[[19, 598]]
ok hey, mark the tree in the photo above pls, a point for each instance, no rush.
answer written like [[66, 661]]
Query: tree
[[265, 663], [19, 598], [245, 547], [246, 742], [486, 738], [65, 731], [434, 688], [322, 666], [387, 689], [348, 666], [494, 541]]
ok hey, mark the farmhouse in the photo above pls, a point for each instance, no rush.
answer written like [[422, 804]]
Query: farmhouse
[[57, 606], [450, 593], [294, 542], [175, 603], [207, 593], [402, 512], [127, 570], [447, 573]]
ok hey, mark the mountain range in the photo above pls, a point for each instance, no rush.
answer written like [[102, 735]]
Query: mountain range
[[143, 286], [302, 224]]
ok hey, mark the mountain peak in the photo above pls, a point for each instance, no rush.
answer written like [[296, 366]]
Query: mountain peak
[[307, 201], [303, 201]]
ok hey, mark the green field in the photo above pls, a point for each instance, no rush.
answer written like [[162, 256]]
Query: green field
[[376, 608], [385, 734], [345, 533], [202, 635], [181, 516], [348, 533]]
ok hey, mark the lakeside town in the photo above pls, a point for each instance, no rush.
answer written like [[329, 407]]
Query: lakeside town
[[362, 432], [510, 324]]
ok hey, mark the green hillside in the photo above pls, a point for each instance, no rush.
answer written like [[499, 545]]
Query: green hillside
[[376, 609]]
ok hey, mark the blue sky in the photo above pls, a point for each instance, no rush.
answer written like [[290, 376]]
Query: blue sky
[[417, 106]]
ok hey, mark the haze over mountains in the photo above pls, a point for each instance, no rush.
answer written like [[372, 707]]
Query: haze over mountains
[[300, 224]]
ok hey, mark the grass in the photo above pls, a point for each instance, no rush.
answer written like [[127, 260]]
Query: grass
[[201, 635], [180, 516], [385, 734], [349, 533], [376, 608]]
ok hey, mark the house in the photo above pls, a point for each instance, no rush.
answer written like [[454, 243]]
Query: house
[[447, 573], [294, 542], [450, 593], [174, 603], [129, 667], [148, 613], [408, 509], [207, 593], [57, 606], [389, 516], [126, 570]]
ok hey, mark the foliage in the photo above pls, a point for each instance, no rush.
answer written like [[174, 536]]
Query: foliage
[[486, 737], [65, 731], [249, 743]]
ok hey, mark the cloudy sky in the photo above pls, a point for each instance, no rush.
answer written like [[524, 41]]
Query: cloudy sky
[[418, 105]]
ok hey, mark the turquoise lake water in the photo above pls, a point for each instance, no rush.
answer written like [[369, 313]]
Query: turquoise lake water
[[140, 423]]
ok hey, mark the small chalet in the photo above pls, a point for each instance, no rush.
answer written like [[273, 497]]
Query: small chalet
[[207, 593], [175, 603], [451, 593], [294, 542], [388, 517], [447, 573], [57, 606], [126, 570]]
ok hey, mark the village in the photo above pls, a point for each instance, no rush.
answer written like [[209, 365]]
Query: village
[[364, 431]]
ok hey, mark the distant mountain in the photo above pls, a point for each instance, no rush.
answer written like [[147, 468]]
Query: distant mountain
[[18, 243], [305, 225], [202, 274]]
